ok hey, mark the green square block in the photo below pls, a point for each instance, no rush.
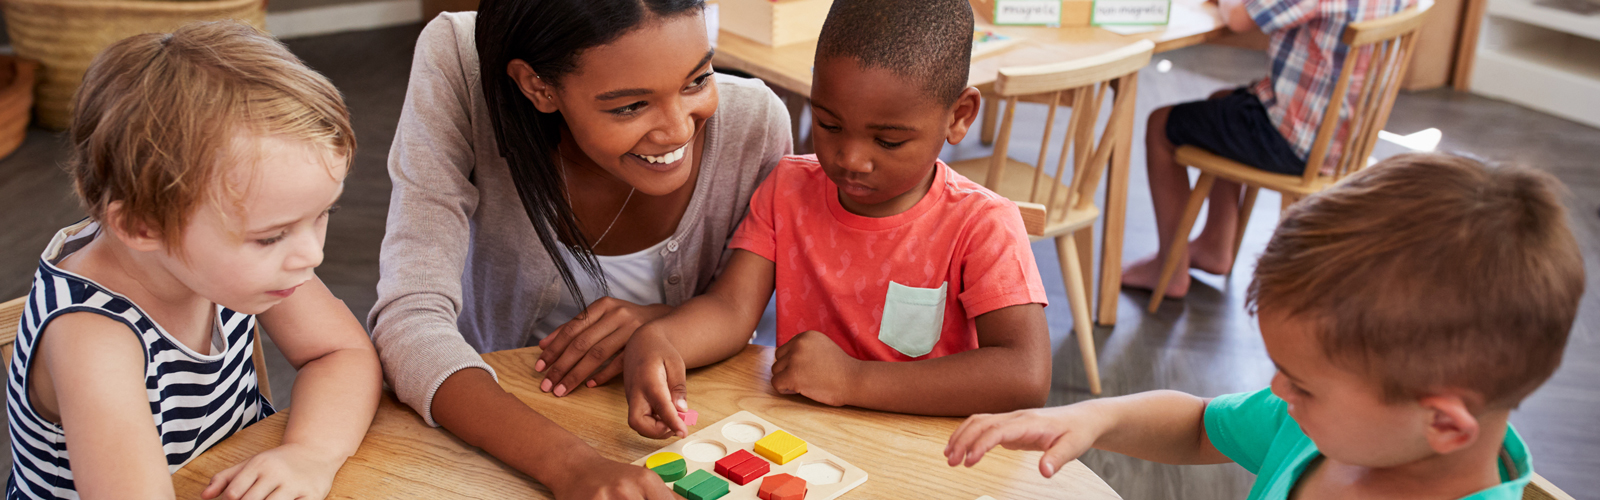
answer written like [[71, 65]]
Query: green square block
[[711, 489], [688, 483], [672, 471]]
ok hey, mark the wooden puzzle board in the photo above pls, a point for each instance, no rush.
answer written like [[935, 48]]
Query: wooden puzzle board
[[827, 476]]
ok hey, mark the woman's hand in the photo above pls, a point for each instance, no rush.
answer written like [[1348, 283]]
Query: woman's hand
[[288, 472], [1063, 433], [654, 384], [812, 365], [581, 352]]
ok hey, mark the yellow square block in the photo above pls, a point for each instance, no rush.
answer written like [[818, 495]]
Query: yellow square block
[[780, 447]]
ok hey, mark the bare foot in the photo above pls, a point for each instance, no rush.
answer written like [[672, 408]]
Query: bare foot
[[1144, 273], [1213, 262]]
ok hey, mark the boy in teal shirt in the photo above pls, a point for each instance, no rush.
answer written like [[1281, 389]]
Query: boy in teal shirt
[[1408, 310]]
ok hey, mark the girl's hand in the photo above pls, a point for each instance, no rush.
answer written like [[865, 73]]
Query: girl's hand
[[1063, 433], [578, 352], [653, 380], [811, 365], [602, 479], [288, 472]]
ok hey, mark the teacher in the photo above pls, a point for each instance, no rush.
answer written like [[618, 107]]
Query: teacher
[[564, 171]]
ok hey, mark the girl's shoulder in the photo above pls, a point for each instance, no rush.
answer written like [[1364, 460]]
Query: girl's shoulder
[[747, 105]]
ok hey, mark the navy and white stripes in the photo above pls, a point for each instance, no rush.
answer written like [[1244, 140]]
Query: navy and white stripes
[[195, 400]]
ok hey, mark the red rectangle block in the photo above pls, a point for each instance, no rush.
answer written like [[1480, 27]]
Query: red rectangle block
[[748, 471], [725, 466]]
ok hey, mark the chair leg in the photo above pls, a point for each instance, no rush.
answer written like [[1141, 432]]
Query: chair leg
[[1245, 207], [1180, 238], [1085, 241], [1078, 300], [1288, 199], [991, 114]]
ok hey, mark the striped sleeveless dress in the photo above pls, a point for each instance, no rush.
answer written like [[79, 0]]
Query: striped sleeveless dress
[[195, 400]]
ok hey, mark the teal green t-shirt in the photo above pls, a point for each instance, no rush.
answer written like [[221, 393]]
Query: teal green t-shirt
[[1254, 430]]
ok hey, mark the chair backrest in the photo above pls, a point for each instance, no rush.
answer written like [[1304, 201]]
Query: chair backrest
[[1386, 44], [11, 320], [1541, 489], [1082, 85]]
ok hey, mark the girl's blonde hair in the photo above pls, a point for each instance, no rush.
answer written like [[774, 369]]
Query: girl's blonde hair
[[153, 122]]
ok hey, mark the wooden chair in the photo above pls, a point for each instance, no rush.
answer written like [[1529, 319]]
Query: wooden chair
[[1389, 41], [1540, 489], [11, 318], [1063, 207]]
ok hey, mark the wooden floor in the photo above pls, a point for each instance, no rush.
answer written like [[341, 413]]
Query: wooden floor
[[1206, 344]]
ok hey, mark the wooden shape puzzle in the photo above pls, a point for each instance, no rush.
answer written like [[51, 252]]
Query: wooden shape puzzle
[[816, 474], [780, 447], [782, 487], [670, 466]]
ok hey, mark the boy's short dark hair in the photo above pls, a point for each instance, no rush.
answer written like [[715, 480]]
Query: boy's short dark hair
[[1432, 271], [928, 42]]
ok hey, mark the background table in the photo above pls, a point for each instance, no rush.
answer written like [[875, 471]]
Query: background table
[[404, 458], [788, 68]]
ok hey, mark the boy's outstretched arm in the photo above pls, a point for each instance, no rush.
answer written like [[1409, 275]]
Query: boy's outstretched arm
[[1159, 426], [1009, 370], [1236, 16], [708, 328], [335, 396]]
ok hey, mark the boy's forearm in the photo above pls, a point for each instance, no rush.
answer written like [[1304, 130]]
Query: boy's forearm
[[983, 380], [335, 399], [1159, 426], [707, 329], [473, 407]]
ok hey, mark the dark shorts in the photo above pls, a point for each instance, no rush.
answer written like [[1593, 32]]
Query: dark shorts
[[1235, 127]]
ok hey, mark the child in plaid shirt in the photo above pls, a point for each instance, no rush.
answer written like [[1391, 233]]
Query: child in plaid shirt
[[1269, 124]]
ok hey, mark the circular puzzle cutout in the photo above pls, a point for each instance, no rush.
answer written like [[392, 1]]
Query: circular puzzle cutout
[[744, 432], [704, 451]]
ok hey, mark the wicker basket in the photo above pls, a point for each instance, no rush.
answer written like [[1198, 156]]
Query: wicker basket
[[16, 96], [65, 35]]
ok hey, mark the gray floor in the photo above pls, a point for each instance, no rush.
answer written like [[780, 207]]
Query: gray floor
[[1205, 344]]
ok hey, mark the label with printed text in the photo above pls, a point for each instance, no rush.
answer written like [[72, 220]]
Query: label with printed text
[[1114, 12], [1046, 12]]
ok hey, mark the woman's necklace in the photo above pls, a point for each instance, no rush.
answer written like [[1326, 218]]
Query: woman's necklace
[[567, 187]]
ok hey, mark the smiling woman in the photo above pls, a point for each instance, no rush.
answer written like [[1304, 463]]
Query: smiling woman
[[564, 171]]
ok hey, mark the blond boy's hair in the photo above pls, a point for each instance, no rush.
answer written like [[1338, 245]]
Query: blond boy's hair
[[1432, 272], [156, 116]]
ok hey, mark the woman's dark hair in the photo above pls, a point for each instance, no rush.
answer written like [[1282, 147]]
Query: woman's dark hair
[[549, 35]]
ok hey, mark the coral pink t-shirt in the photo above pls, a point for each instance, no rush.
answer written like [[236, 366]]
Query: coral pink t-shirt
[[898, 288]]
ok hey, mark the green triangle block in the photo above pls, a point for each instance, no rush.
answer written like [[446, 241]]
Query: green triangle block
[[672, 471], [710, 489], [688, 483]]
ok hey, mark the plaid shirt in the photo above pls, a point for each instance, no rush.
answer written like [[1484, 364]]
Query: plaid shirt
[[1306, 58]]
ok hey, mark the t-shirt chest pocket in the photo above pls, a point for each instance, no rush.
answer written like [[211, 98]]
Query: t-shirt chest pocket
[[913, 318]]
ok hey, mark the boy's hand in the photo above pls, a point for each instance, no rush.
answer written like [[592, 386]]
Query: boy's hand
[[287, 472], [1062, 432], [578, 352], [653, 379], [811, 365], [603, 479]]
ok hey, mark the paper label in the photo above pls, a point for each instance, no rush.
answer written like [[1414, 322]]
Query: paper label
[[1046, 12], [1114, 12]]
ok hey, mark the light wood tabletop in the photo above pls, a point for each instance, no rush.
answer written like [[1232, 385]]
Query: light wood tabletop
[[404, 458], [789, 67]]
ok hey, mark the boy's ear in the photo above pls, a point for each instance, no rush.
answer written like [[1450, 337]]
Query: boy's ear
[[143, 239], [1451, 426], [535, 89], [963, 112]]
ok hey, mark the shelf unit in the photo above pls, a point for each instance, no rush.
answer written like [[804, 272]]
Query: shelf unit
[[1540, 57]]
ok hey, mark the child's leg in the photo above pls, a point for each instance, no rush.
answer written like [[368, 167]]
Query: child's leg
[[1169, 191]]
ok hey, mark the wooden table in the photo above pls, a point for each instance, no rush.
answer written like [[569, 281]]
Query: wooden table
[[1193, 22], [404, 458]]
